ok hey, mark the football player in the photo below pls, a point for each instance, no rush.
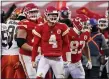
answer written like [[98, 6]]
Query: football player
[[11, 66], [25, 36], [78, 36], [103, 24], [53, 39]]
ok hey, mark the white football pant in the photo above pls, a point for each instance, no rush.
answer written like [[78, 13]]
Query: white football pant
[[28, 64], [56, 63], [76, 70]]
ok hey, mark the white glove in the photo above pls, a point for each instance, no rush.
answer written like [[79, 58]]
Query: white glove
[[89, 65]]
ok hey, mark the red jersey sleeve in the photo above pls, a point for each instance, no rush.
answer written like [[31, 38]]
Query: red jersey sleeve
[[106, 34], [37, 37], [66, 47], [72, 34], [22, 25], [88, 36]]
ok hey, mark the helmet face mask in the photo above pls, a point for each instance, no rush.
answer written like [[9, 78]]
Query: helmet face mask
[[102, 23], [51, 14], [53, 17], [33, 14], [31, 11], [86, 26]]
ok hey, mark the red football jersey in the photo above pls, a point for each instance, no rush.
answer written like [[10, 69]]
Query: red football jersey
[[77, 43], [28, 26], [53, 40], [106, 34], [40, 20]]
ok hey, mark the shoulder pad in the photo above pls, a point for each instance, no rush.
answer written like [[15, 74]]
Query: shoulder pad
[[40, 24]]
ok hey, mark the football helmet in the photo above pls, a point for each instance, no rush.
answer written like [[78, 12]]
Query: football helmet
[[102, 23], [16, 13], [52, 14], [31, 11], [81, 22], [65, 12]]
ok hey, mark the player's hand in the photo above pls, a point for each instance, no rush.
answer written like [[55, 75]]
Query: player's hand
[[34, 64], [66, 64], [89, 65]]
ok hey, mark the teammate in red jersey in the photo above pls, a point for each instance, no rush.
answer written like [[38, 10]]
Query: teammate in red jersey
[[78, 36], [25, 36], [53, 39]]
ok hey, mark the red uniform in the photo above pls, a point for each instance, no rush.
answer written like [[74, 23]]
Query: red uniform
[[106, 34], [53, 40], [28, 26], [77, 43]]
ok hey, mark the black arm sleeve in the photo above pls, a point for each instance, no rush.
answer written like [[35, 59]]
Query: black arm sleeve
[[20, 41]]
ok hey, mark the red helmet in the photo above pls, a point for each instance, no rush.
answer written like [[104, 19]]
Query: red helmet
[[65, 12], [31, 11], [52, 14], [80, 22]]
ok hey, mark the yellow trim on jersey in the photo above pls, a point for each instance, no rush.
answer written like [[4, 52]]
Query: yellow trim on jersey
[[24, 26], [36, 33], [65, 32], [77, 31]]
